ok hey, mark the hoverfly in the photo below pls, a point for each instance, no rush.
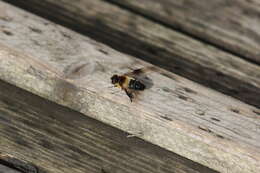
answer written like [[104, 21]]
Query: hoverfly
[[132, 82]]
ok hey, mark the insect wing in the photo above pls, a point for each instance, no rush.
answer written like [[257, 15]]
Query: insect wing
[[141, 75], [139, 72]]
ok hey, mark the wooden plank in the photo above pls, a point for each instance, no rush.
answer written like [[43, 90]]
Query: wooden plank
[[5, 169], [64, 141], [230, 25], [176, 114], [9, 163], [156, 44]]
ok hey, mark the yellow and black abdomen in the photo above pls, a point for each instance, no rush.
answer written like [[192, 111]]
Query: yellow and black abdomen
[[136, 85]]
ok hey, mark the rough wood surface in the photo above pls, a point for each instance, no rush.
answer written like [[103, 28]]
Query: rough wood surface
[[7, 161], [5, 169], [133, 34], [232, 25], [177, 114], [64, 141]]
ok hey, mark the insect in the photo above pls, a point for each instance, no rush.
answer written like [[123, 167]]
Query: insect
[[130, 82]]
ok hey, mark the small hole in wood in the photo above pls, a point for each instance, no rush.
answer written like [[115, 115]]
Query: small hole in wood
[[165, 89], [189, 90], [235, 110], [205, 129], [103, 51], [66, 35], [186, 98], [214, 119], [220, 136], [166, 118], [200, 112], [183, 97]]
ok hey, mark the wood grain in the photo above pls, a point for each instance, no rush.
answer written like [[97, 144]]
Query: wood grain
[[64, 141], [157, 44], [176, 114], [5, 169], [228, 24], [10, 163]]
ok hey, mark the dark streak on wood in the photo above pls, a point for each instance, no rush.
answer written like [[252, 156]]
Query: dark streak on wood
[[256, 112], [205, 129], [235, 110], [103, 51], [220, 136], [36, 72], [166, 118], [214, 119], [19, 165], [7, 32], [165, 89], [65, 34], [210, 131], [190, 91], [183, 97], [200, 112], [186, 98]]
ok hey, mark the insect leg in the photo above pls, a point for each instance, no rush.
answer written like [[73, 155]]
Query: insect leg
[[129, 94]]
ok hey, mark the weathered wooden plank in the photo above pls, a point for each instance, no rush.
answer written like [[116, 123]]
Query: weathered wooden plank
[[12, 164], [64, 141], [5, 169], [179, 115], [229, 24], [157, 44]]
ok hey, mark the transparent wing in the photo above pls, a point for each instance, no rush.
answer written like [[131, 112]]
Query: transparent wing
[[141, 75], [140, 72]]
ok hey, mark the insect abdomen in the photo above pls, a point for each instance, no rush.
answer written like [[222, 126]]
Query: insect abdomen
[[136, 85]]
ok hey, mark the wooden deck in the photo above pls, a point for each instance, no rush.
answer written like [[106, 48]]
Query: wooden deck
[[59, 112]]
